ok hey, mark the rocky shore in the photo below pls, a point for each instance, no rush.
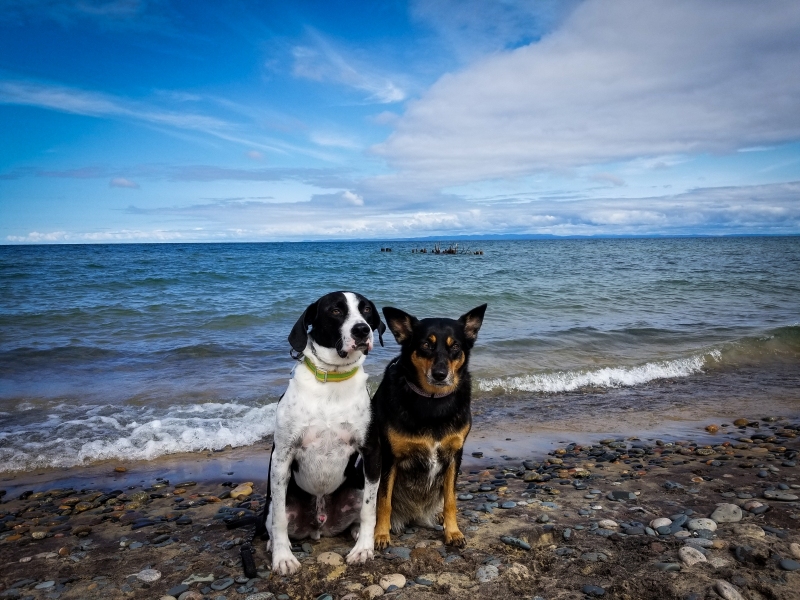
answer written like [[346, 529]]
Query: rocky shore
[[618, 518]]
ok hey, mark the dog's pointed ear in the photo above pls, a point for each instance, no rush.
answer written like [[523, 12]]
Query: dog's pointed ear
[[374, 321], [400, 323], [298, 337], [472, 321]]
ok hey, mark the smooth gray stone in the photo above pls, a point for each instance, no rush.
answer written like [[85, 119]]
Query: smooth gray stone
[[512, 541], [787, 564], [593, 590], [400, 551], [779, 495], [177, 590], [727, 513], [222, 584], [678, 522]]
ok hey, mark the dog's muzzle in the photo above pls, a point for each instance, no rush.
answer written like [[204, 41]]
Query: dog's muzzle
[[361, 335]]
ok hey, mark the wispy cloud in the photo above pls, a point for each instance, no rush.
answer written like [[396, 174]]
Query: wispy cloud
[[122, 182], [319, 61], [65, 11], [608, 179], [472, 29], [96, 104], [325, 178]]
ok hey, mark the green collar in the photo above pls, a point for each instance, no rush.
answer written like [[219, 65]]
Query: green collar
[[328, 376]]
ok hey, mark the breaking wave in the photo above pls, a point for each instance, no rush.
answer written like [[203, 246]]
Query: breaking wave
[[66, 440], [607, 377]]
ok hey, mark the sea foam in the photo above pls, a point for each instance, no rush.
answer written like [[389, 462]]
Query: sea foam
[[67, 442], [607, 377]]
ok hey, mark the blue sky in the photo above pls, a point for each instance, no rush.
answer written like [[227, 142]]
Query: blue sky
[[132, 120]]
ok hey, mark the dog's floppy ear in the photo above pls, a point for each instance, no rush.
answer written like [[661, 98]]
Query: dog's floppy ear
[[401, 323], [374, 321], [298, 337], [472, 321]]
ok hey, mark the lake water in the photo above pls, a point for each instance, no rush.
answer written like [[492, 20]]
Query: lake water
[[134, 351]]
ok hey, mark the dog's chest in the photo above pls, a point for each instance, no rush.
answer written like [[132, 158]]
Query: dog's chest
[[324, 426], [424, 452]]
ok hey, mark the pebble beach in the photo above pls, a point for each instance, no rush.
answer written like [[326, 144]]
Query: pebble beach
[[620, 517]]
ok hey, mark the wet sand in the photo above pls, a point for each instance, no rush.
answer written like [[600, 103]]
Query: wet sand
[[577, 515]]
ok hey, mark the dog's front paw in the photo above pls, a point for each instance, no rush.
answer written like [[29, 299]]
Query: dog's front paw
[[359, 555], [381, 541], [285, 563], [455, 538]]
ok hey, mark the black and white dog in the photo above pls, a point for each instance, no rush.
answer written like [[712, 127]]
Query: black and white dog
[[325, 463]]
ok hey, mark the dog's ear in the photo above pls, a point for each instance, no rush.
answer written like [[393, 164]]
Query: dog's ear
[[374, 321], [472, 321], [401, 323], [298, 337]]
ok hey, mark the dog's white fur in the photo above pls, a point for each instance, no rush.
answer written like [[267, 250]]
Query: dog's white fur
[[319, 425]]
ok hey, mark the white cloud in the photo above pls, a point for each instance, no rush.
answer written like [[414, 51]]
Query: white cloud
[[764, 209], [353, 198], [122, 182], [618, 80]]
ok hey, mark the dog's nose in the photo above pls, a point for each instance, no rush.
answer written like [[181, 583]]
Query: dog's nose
[[439, 372], [360, 331]]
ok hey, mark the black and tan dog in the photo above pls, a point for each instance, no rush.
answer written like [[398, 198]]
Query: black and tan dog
[[422, 411]]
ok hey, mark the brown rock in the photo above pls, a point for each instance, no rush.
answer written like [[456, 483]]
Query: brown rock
[[740, 422], [242, 490], [82, 530], [426, 556], [712, 428], [63, 551], [120, 470], [82, 506]]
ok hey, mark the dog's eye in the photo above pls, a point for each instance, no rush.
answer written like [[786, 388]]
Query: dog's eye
[[427, 346], [455, 348], [366, 309], [336, 311]]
